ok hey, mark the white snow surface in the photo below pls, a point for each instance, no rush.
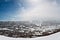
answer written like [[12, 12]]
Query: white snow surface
[[55, 36]]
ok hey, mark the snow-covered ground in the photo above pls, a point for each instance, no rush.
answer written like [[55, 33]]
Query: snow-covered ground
[[55, 36]]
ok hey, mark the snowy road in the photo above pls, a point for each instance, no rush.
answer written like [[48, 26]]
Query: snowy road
[[55, 36]]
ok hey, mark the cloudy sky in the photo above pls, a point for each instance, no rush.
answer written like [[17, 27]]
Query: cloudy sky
[[29, 10]]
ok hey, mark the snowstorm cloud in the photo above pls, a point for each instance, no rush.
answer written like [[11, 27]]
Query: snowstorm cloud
[[30, 10], [39, 10]]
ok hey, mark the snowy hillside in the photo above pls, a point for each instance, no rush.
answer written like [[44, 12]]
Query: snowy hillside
[[55, 36], [18, 29]]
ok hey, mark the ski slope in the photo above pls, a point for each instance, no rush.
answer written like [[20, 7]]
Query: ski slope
[[55, 36]]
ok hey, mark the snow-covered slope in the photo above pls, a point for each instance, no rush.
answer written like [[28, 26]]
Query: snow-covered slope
[[18, 29], [55, 36]]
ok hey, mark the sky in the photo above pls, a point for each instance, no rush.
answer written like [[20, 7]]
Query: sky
[[29, 10]]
